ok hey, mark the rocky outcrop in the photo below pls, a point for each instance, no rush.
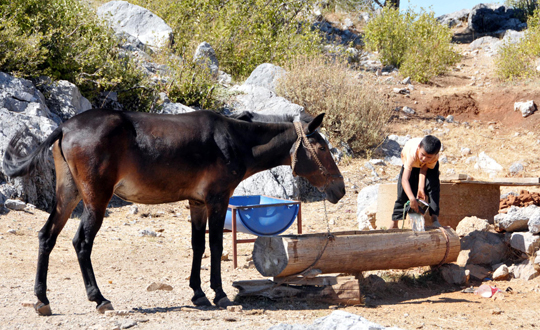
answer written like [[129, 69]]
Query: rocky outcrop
[[493, 18], [136, 21]]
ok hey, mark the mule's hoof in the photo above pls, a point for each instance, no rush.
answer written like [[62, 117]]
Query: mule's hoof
[[42, 309], [201, 301], [224, 303], [104, 306]]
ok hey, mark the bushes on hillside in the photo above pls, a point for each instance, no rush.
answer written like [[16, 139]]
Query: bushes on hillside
[[416, 43], [64, 39], [527, 7], [355, 112], [519, 60], [244, 34]]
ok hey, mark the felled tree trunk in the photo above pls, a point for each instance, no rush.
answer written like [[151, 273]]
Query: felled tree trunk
[[354, 252]]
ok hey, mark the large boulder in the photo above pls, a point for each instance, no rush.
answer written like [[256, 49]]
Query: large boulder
[[279, 182], [471, 224], [454, 19], [258, 93], [206, 55], [265, 75], [516, 218], [486, 248], [37, 189], [136, 21], [491, 18], [63, 98], [21, 96], [524, 241]]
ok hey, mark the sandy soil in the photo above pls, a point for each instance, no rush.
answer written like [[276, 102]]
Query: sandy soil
[[126, 263]]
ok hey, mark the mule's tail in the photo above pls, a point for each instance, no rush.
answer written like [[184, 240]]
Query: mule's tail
[[20, 160]]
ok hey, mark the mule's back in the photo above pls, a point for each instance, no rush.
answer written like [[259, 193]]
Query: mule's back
[[147, 158]]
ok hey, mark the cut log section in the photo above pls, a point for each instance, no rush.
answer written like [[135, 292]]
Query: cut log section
[[343, 290], [354, 251]]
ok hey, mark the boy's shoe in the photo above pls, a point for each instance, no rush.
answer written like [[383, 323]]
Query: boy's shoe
[[436, 223]]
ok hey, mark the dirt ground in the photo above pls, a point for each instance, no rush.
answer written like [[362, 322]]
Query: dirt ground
[[126, 263]]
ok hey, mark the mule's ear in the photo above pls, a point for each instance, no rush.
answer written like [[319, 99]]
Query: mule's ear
[[244, 116], [314, 124]]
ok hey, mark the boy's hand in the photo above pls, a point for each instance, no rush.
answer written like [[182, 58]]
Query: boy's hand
[[421, 194], [414, 205]]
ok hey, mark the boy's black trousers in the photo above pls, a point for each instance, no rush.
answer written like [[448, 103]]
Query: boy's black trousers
[[432, 190]]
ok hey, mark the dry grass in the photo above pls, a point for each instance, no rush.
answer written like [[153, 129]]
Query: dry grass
[[354, 109]]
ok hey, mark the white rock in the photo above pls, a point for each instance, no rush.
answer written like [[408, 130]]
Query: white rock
[[526, 108], [465, 151], [443, 159], [516, 218], [136, 21], [408, 110], [454, 274], [133, 209], [487, 164], [147, 232], [501, 273], [525, 270], [15, 204], [159, 286], [534, 223], [524, 241], [516, 167], [469, 224]]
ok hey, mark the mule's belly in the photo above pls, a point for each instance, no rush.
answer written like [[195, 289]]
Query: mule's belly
[[156, 192]]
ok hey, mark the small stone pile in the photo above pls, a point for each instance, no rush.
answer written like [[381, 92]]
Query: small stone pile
[[525, 198]]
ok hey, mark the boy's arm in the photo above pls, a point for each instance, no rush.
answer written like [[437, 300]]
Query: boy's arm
[[407, 188], [422, 182]]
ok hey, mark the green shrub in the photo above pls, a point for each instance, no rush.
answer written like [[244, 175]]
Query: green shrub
[[388, 34], [244, 34], [518, 60], [527, 7], [64, 39], [416, 43], [192, 85], [429, 50], [355, 111]]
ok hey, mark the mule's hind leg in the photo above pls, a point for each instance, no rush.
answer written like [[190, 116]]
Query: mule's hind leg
[[67, 198], [198, 231], [83, 242]]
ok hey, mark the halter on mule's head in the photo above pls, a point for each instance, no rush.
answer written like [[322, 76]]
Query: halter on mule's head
[[314, 161]]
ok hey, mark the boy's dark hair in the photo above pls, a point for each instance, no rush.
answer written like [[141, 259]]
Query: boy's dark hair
[[431, 144]]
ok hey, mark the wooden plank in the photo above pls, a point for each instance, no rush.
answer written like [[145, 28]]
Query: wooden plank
[[339, 290], [353, 252], [499, 182], [459, 177], [518, 180]]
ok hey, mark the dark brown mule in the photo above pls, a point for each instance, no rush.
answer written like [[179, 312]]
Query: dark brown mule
[[146, 158]]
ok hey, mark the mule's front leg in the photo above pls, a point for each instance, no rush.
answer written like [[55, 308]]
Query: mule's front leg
[[198, 231], [216, 222], [83, 242]]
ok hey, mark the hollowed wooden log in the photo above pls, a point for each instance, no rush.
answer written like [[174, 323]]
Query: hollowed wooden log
[[354, 251]]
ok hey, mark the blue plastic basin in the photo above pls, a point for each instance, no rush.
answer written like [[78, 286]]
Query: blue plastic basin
[[261, 215]]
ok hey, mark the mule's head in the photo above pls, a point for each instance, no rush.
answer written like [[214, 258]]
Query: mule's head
[[311, 159]]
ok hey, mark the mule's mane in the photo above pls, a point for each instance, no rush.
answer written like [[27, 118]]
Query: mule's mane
[[251, 116]]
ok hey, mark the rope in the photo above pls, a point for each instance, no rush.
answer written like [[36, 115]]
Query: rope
[[443, 230], [302, 139]]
